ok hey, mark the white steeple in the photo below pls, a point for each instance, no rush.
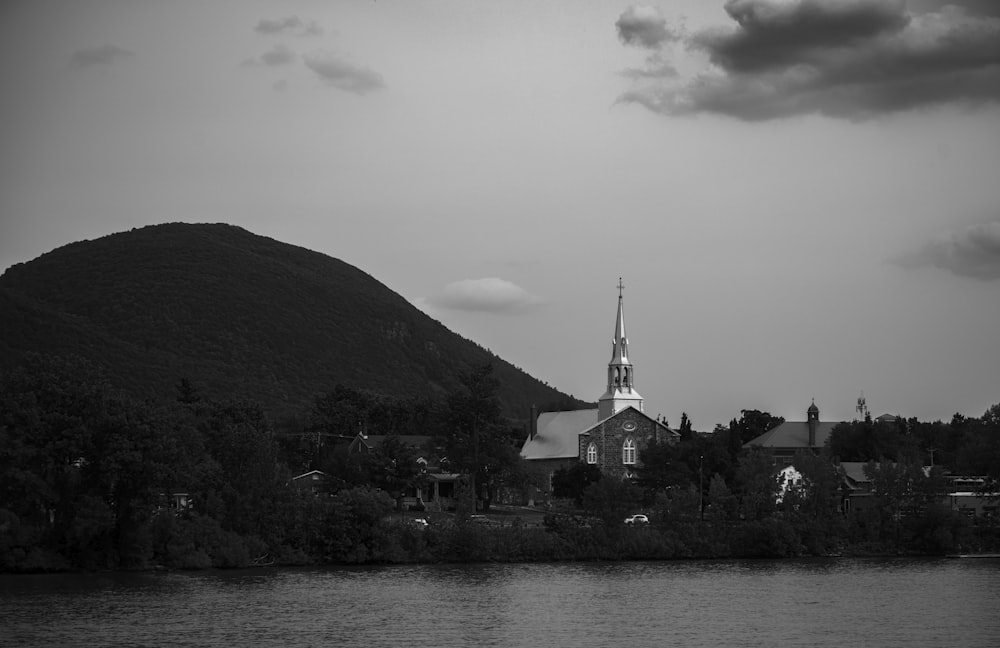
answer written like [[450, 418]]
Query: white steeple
[[621, 379]]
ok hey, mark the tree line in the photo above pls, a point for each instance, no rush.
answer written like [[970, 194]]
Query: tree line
[[712, 495], [87, 474]]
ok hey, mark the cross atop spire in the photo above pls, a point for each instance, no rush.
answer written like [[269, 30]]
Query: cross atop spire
[[620, 391]]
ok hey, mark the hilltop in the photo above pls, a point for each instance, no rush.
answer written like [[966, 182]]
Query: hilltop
[[239, 315]]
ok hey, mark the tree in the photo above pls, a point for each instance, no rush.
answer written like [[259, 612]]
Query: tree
[[572, 482], [611, 500], [662, 466], [757, 484], [478, 442], [685, 428], [813, 505], [393, 467], [722, 504], [753, 423]]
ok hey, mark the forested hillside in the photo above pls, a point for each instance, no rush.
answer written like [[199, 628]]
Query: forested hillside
[[238, 315]]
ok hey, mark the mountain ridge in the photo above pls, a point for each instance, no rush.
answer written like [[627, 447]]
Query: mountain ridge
[[238, 314]]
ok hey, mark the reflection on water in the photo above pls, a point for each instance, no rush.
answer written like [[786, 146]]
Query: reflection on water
[[698, 603]]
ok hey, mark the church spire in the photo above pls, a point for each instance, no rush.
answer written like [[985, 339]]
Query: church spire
[[620, 392]]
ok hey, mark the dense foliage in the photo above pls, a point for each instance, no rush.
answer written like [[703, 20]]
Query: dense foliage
[[88, 475], [237, 314]]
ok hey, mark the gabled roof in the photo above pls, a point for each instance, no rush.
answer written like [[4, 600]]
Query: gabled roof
[[637, 411], [557, 434], [793, 434], [312, 474], [855, 471], [373, 441]]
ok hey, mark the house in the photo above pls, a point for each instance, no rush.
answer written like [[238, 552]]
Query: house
[[787, 438], [609, 436], [966, 496], [311, 481], [368, 443], [856, 487], [434, 490]]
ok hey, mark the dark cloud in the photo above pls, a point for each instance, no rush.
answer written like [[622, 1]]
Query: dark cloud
[[643, 27], [276, 56], [103, 55], [342, 74], [491, 295], [844, 58], [288, 25], [778, 35], [979, 7], [970, 252], [653, 70]]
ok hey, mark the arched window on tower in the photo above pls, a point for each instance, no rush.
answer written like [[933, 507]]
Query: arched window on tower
[[628, 452], [592, 453]]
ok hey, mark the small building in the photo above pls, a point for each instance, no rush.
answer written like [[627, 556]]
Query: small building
[[785, 439], [966, 495], [311, 481]]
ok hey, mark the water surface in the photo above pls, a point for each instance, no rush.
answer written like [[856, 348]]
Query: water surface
[[838, 603]]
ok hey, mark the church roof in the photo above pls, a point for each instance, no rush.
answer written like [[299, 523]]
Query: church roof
[[557, 434], [793, 434]]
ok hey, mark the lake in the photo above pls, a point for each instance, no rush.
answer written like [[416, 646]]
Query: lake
[[821, 602]]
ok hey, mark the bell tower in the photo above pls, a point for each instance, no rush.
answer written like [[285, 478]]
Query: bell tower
[[620, 392], [812, 420]]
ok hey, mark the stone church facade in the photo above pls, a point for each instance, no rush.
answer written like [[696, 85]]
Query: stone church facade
[[611, 436]]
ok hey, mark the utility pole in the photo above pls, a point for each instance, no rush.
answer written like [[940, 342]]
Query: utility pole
[[701, 490]]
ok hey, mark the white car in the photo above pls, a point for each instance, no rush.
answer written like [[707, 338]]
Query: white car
[[637, 519]]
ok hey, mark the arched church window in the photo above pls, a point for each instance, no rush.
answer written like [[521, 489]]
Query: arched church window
[[628, 452], [592, 453]]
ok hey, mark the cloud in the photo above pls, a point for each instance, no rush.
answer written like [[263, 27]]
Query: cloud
[[490, 295], [342, 74], [851, 59], [973, 251], [289, 24], [277, 55], [103, 55], [643, 26]]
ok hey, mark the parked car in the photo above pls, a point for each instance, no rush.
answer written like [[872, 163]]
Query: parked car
[[638, 518], [420, 523]]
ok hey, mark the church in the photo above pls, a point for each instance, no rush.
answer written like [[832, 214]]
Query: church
[[610, 436]]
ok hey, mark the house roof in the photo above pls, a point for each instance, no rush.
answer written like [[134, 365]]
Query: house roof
[[415, 441], [314, 474], [855, 471], [793, 434], [557, 434]]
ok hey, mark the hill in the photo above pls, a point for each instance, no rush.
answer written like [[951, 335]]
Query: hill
[[240, 315]]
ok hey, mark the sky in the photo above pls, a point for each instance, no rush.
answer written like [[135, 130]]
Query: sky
[[802, 198]]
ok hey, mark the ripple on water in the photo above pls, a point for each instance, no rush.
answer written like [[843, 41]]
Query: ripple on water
[[697, 603]]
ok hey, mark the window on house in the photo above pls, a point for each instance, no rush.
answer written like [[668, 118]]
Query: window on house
[[592, 453], [628, 452]]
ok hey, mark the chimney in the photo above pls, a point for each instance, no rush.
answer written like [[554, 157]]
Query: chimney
[[532, 423]]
